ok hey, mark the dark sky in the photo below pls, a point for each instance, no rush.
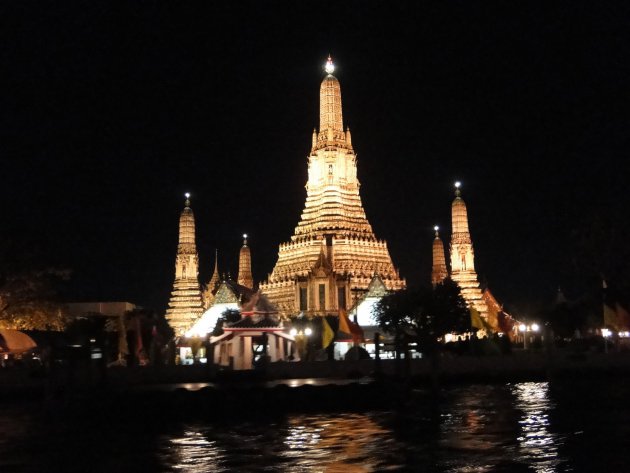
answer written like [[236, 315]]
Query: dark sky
[[110, 112]]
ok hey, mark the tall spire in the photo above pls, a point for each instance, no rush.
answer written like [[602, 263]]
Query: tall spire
[[245, 266], [439, 271], [460, 214], [330, 114], [463, 255], [212, 286], [215, 280], [333, 222], [187, 229], [185, 305]]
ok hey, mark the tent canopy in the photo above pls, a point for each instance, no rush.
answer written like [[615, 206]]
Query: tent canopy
[[15, 342]]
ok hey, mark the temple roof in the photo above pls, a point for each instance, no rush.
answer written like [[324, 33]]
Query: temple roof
[[230, 291], [255, 321]]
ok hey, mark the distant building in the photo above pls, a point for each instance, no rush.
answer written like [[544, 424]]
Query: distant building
[[112, 309]]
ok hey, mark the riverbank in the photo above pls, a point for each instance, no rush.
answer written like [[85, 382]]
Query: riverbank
[[64, 380]]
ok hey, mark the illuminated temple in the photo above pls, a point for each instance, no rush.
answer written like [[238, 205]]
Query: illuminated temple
[[333, 254], [185, 305], [439, 272], [463, 256]]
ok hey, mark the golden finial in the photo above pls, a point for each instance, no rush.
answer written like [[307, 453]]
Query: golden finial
[[457, 186], [437, 234], [187, 203], [329, 67]]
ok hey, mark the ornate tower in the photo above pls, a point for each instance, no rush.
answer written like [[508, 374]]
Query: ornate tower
[[439, 272], [245, 266], [463, 256], [333, 253], [185, 305], [212, 286]]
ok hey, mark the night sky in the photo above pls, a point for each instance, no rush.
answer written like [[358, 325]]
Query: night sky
[[110, 112]]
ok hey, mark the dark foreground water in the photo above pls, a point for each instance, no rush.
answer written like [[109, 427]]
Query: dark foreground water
[[538, 427]]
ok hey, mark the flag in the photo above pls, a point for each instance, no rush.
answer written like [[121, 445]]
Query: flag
[[623, 317], [475, 319], [327, 333], [349, 327], [610, 317], [478, 322], [139, 345], [343, 322]]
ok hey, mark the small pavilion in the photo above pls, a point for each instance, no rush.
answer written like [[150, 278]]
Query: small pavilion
[[258, 335]]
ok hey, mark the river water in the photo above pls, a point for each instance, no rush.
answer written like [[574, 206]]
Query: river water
[[520, 427]]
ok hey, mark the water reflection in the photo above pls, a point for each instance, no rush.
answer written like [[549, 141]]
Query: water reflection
[[342, 443], [192, 452], [521, 427], [538, 446], [476, 430]]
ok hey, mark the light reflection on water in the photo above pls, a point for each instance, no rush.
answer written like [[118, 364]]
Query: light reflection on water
[[192, 452], [518, 427], [349, 443], [537, 444]]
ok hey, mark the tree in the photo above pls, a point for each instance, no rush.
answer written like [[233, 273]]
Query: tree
[[28, 300], [425, 313], [229, 316], [28, 289]]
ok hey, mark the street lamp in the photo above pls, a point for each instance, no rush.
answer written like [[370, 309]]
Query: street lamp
[[524, 329], [300, 337], [606, 333]]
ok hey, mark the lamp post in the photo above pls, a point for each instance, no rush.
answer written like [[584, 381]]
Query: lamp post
[[525, 331], [301, 337], [606, 333]]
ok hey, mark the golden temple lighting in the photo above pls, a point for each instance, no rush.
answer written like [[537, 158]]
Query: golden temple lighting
[[185, 305], [333, 254]]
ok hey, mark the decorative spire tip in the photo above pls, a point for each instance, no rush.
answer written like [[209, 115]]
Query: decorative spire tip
[[458, 184], [329, 67], [436, 228], [187, 195], [244, 238]]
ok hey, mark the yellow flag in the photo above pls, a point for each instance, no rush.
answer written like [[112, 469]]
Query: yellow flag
[[327, 333], [610, 317], [623, 317], [475, 319], [343, 322]]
